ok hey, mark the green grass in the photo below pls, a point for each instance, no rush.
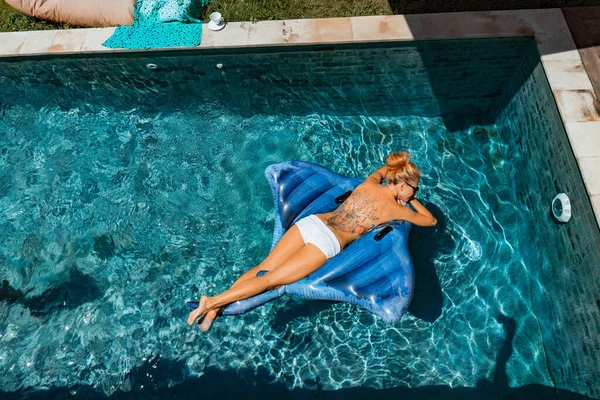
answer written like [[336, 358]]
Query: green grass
[[12, 21], [233, 10], [260, 10]]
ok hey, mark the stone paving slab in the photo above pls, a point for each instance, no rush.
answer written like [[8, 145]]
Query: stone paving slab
[[584, 23]]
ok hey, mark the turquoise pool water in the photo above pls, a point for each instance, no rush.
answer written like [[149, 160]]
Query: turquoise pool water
[[127, 190]]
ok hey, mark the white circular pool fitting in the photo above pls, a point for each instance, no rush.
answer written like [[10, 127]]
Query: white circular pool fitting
[[151, 66], [561, 208], [219, 66]]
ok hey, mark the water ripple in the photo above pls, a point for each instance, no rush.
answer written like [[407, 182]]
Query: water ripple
[[154, 209]]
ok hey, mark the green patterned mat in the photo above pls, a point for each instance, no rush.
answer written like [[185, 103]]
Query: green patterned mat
[[159, 24]]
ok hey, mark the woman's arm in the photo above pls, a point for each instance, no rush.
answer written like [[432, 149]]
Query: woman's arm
[[422, 216], [378, 175]]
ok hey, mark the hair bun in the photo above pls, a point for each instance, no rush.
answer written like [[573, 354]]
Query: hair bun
[[397, 160]]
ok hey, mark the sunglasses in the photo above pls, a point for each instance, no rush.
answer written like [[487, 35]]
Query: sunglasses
[[415, 188]]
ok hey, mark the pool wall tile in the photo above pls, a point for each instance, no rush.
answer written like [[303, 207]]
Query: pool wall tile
[[401, 74], [563, 320], [596, 205]]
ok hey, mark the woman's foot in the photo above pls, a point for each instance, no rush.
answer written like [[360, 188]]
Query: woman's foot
[[200, 311], [208, 320]]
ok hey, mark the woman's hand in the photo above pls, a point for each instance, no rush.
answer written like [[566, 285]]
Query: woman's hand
[[402, 202]]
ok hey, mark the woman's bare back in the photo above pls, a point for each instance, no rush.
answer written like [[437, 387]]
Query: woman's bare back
[[368, 206]]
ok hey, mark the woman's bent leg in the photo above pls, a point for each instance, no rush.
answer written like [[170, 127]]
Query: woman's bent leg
[[299, 265], [289, 244]]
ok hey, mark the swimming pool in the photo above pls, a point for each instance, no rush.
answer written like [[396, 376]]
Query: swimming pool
[[130, 184]]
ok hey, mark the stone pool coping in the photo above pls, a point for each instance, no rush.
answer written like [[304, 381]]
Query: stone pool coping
[[572, 88]]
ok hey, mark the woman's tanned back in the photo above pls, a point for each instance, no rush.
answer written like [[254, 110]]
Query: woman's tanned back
[[368, 206]]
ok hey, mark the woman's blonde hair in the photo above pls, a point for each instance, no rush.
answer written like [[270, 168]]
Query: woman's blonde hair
[[401, 169]]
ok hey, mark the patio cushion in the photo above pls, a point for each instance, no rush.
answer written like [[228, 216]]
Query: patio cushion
[[78, 12]]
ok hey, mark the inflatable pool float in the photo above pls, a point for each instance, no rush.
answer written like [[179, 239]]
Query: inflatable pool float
[[374, 272]]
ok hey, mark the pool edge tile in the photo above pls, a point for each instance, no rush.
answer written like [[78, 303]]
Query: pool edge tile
[[577, 105], [552, 34], [233, 34], [95, 37], [38, 42], [567, 75], [558, 50], [584, 138], [333, 30], [384, 27], [299, 31], [68, 41], [437, 26], [589, 167], [265, 33], [12, 42]]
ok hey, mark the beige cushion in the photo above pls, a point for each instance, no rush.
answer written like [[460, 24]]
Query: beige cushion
[[78, 12]]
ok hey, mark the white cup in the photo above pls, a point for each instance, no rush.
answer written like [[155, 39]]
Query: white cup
[[216, 18]]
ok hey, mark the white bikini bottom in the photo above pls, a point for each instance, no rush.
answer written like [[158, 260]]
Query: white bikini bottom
[[314, 231]]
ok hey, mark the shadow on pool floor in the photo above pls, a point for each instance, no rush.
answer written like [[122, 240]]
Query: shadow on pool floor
[[248, 384]]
